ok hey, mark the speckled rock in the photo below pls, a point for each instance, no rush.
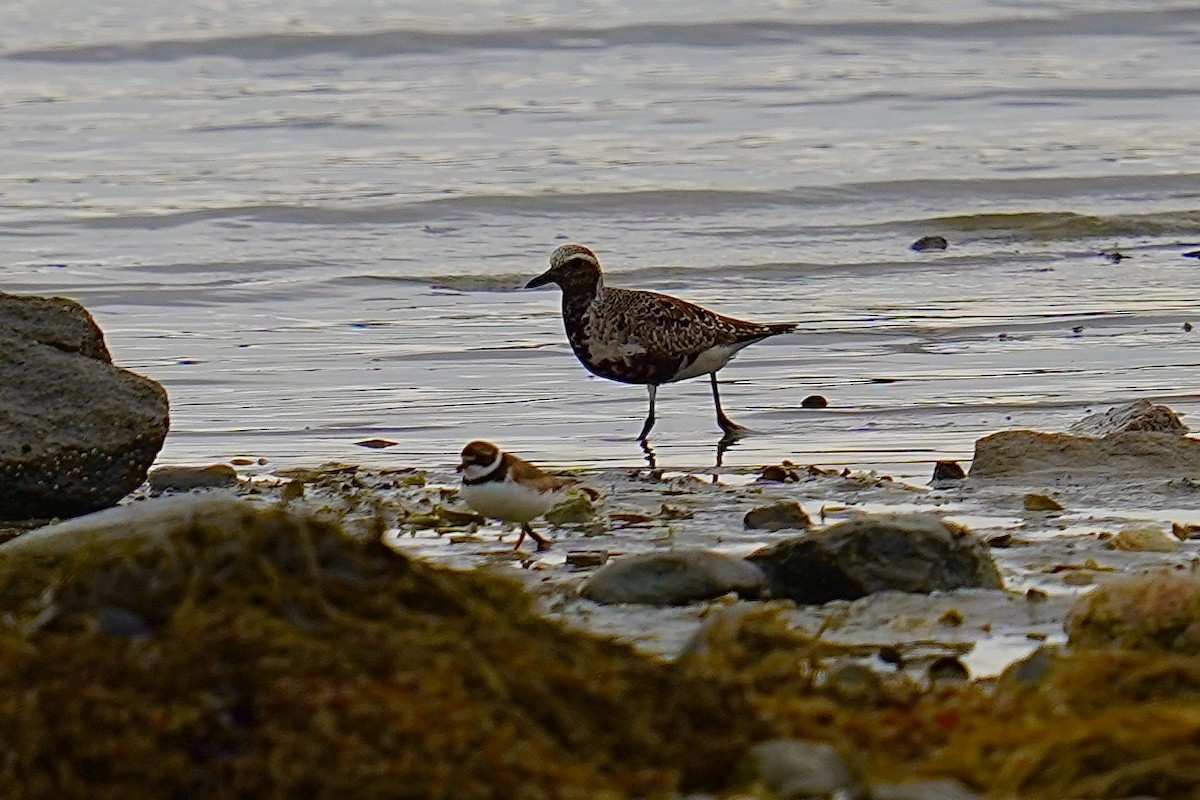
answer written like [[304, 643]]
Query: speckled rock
[[903, 552], [1158, 611], [76, 433], [1018, 454], [672, 578], [1140, 415]]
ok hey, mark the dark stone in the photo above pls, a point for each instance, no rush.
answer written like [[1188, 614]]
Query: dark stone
[[929, 243], [948, 471], [77, 434], [183, 479], [787, 472], [672, 578], [903, 552], [814, 401], [947, 669], [777, 516], [117, 621]]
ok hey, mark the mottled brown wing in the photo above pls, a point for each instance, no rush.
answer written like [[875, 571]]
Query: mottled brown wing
[[522, 470], [668, 327]]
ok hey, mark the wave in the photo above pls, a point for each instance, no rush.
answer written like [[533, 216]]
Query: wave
[[1057, 225], [786, 210], [725, 35], [668, 277]]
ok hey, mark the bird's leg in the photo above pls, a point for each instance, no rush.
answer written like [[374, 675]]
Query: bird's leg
[[730, 427], [650, 418], [527, 530], [651, 459]]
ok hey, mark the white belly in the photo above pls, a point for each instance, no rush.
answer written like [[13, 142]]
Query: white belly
[[510, 502], [710, 360]]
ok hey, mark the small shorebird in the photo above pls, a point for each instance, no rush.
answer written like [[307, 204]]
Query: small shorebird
[[502, 486], [635, 336]]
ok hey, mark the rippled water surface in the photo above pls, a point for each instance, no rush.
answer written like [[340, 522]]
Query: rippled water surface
[[311, 225]]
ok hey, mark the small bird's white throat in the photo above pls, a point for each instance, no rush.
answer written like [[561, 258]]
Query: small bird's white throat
[[474, 472]]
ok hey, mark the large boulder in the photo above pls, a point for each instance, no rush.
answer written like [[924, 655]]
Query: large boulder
[[1135, 439], [76, 433], [1017, 454], [879, 552]]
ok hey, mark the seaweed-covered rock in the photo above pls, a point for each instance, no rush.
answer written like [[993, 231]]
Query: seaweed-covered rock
[[903, 552], [202, 647], [1017, 454], [675, 577], [76, 433], [1140, 415], [1145, 612], [777, 516]]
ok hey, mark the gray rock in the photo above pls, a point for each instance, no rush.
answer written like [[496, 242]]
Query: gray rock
[[778, 516], [942, 789], [1032, 670], [1140, 415], [76, 433], [796, 770], [1019, 454], [672, 578], [132, 526], [182, 479], [903, 552]]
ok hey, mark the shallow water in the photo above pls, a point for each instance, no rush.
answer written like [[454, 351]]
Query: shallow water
[[311, 225]]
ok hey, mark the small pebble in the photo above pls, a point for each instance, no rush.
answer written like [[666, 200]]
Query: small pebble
[[376, 444], [947, 669], [929, 243], [814, 401], [586, 559], [1041, 502], [948, 471]]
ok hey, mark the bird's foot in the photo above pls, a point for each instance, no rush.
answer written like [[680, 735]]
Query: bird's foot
[[543, 543], [733, 431], [648, 452]]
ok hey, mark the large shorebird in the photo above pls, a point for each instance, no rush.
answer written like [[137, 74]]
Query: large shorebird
[[645, 337]]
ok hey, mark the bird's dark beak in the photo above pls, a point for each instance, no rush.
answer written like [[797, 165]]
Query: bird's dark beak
[[541, 280], [461, 467]]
